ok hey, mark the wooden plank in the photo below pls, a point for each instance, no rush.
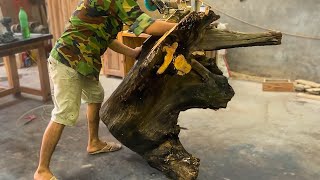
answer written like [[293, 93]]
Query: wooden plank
[[12, 73], [59, 11], [113, 61], [314, 91], [277, 85], [308, 96], [43, 74], [6, 92], [18, 49], [113, 65], [31, 91]]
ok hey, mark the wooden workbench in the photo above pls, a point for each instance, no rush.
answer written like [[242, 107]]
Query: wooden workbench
[[8, 51]]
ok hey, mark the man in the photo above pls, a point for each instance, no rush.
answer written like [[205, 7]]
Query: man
[[74, 67]]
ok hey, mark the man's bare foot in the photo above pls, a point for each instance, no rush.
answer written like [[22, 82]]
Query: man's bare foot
[[102, 147], [42, 175]]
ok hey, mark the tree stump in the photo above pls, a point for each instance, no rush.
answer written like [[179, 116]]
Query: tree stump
[[170, 76]]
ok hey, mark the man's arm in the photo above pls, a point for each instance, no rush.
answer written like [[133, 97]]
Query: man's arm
[[158, 28], [118, 47], [140, 22]]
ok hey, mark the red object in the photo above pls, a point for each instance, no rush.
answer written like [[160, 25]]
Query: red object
[[24, 56], [29, 119]]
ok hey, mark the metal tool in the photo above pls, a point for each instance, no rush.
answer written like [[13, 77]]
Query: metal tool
[[5, 21], [7, 36], [163, 7]]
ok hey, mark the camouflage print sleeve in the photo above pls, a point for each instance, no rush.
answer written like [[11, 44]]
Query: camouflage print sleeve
[[131, 14]]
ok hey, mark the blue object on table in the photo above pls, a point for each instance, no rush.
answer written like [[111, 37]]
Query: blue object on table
[[150, 5]]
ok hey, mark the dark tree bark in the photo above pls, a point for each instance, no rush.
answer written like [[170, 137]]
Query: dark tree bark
[[169, 77]]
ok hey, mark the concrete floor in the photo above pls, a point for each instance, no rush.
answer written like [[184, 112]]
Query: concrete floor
[[260, 136]]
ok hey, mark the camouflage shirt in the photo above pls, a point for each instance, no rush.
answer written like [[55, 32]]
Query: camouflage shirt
[[92, 27]]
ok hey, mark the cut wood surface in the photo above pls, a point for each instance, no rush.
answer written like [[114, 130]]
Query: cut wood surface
[[168, 78], [224, 39]]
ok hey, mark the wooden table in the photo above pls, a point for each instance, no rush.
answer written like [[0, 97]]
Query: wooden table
[[8, 51]]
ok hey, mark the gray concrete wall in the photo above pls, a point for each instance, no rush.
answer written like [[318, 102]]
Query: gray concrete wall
[[296, 57]]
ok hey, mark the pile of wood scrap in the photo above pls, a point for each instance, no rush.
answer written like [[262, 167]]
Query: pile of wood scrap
[[307, 86], [308, 89]]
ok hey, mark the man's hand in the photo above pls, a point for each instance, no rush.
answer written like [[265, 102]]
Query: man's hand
[[158, 28], [123, 49], [136, 52]]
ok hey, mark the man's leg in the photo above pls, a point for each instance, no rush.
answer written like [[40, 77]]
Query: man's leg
[[93, 95], [94, 143], [49, 142], [66, 98]]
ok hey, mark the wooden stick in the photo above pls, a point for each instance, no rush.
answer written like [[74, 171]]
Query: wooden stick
[[309, 83], [12, 73], [215, 39], [308, 96]]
